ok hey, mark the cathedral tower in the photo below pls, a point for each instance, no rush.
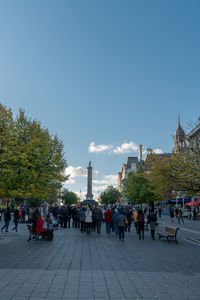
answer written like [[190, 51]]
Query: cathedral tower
[[179, 139]]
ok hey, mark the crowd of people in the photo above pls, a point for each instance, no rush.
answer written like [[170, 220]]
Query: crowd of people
[[89, 218]]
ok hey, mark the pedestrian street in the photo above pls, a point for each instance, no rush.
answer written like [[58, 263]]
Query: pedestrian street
[[99, 266]]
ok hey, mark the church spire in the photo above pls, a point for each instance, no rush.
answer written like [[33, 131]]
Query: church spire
[[179, 138], [179, 123]]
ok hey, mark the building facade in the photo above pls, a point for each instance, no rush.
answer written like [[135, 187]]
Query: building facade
[[193, 137]]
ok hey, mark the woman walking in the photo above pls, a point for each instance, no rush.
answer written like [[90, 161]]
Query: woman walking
[[88, 220]]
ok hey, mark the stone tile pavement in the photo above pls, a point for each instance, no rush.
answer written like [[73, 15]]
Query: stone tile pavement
[[100, 267]]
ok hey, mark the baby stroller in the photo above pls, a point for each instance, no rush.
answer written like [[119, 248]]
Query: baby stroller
[[49, 234]]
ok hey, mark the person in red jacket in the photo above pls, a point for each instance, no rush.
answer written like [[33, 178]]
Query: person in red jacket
[[108, 220], [39, 227]]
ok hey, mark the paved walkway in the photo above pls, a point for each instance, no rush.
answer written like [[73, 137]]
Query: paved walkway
[[100, 267]]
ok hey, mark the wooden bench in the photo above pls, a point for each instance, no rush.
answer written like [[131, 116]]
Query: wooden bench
[[32, 233], [170, 234]]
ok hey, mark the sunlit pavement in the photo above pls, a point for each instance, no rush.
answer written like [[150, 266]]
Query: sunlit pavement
[[100, 267]]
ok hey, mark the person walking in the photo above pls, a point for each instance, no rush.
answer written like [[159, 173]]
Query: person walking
[[114, 220], [88, 220], [16, 220], [7, 218], [81, 217], [159, 212], [152, 220], [108, 220], [121, 223], [180, 216], [135, 215], [171, 213], [98, 218], [129, 219], [140, 224]]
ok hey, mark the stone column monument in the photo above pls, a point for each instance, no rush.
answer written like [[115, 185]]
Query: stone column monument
[[89, 195]]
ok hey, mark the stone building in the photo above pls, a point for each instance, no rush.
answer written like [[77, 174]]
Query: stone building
[[131, 166], [193, 137]]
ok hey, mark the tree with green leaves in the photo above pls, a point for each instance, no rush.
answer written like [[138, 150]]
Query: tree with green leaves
[[31, 159], [110, 196], [69, 197], [139, 190], [179, 173]]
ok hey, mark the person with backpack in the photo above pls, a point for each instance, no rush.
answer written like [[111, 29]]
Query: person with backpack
[[140, 224], [7, 218]]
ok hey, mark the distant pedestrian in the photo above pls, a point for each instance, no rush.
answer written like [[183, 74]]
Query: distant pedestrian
[[171, 213], [140, 224], [135, 215], [7, 218], [98, 219], [16, 220], [180, 216], [121, 223], [81, 217], [129, 219], [114, 220], [152, 220], [194, 214], [88, 220], [159, 211], [108, 220]]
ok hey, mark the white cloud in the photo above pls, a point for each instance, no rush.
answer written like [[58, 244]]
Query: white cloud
[[107, 179], [99, 148], [126, 148], [158, 151], [76, 172], [110, 149]]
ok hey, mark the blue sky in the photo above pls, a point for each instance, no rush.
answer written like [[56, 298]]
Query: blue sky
[[104, 75]]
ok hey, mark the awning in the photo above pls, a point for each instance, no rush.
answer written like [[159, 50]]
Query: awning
[[178, 200], [194, 203]]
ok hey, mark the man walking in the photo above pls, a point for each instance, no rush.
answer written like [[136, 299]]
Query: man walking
[[7, 218], [98, 218], [121, 223]]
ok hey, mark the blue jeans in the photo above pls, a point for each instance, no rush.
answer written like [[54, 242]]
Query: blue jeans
[[15, 227], [180, 218], [108, 227], [116, 228], [6, 225]]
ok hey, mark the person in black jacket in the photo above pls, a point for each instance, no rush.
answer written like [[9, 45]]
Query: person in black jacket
[[152, 220], [7, 218], [16, 219], [98, 219]]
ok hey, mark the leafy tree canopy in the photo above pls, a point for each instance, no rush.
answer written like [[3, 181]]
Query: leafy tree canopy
[[31, 159], [69, 197], [110, 196]]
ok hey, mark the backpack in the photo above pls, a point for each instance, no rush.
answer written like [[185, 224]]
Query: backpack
[[140, 218]]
